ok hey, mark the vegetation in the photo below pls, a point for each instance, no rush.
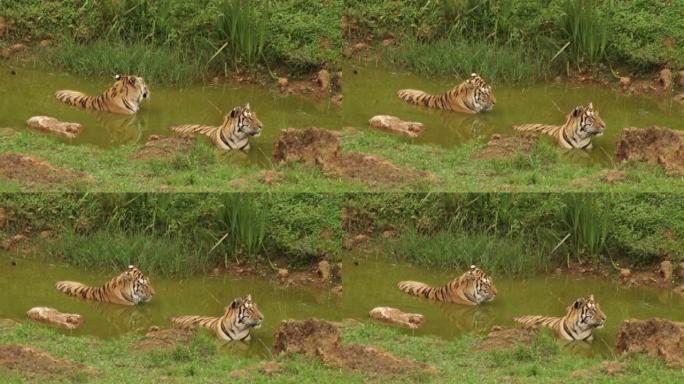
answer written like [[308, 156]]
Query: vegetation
[[532, 38], [179, 41]]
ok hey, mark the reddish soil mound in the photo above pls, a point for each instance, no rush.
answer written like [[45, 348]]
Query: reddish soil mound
[[506, 338], [28, 361], [322, 148], [654, 145], [162, 147], [654, 337], [33, 172], [322, 339], [500, 147], [163, 339]]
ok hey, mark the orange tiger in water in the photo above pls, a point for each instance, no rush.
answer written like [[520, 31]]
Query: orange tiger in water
[[238, 319], [581, 125], [473, 287], [123, 97], [578, 323], [471, 96], [238, 126], [131, 287]]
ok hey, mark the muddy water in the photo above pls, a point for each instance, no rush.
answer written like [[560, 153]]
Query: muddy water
[[30, 283], [371, 90], [372, 281], [32, 91]]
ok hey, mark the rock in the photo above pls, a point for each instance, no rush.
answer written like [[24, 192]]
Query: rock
[[45, 234], [396, 125], [323, 79], [360, 47], [45, 43], [389, 234], [18, 47], [395, 316], [52, 125], [338, 271], [680, 78], [665, 79], [679, 290], [625, 82], [54, 317], [654, 145], [336, 98], [324, 270], [679, 98], [283, 82], [336, 290], [3, 218], [338, 79], [666, 271], [654, 337], [387, 42], [625, 273], [283, 273], [680, 268], [347, 52]]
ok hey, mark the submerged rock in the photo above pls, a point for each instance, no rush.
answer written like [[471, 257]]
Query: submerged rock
[[395, 316], [654, 145], [54, 317], [54, 126], [654, 337], [396, 125]]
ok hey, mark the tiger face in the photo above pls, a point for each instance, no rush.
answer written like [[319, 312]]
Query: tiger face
[[483, 285], [133, 87], [248, 315], [588, 312], [247, 121], [482, 96], [137, 285], [588, 121]]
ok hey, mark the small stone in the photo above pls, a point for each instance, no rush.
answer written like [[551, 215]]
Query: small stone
[[665, 78], [324, 270], [283, 82], [336, 98], [17, 47], [45, 234], [347, 52], [323, 79], [680, 78], [625, 82], [388, 234], [625, 273], [666, 271], [387, 42], [45, 43], [283, 273], [336, 290], [680, 271], [360, 239], [360, 47]]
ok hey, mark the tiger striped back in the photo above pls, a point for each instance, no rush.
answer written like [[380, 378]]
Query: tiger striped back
[[238, 319], [471, 288], [123, 97], [131, 287], [238, 126], [578, 323], [580, 126], [471, 96]]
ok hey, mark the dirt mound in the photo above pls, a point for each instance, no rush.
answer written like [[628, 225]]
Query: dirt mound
[[28, 361], [33, 172], [654, 145], [163, 147], [654, 337], [500, 147], [506, 338], [322, 339], [163, 339], [322, 148]]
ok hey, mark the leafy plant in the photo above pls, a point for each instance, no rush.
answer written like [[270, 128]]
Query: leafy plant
[[587, 224], [585, 29]]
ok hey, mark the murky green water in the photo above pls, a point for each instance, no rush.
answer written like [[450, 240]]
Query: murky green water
[[371, 90], [30, 284], [31, 92], [372, 281]]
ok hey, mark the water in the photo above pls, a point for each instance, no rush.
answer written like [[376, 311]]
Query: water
[[370, 90], [372, 281], [32, 91], [30, 284]]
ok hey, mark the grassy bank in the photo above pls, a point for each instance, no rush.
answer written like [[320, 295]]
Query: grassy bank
[[547, 169], [511, 234], [454, 361], [179, 41], [176, 234], [531, 39]]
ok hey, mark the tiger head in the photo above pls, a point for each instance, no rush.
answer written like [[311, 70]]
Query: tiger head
[[481, 285], [132, 88], [479, 94], [246, 121], [588, 123], [137, 286], [246, 312], [587, 313]]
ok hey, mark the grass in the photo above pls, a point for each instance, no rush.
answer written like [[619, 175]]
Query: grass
[[454, 360]]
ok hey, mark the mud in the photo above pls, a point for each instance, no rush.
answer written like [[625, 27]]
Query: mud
[[322, 339], [506, 338], [322, 148], [34, 173], [654, 337], [31, 362], [162, 147], [163, 339], [654, 145], [500, 147]]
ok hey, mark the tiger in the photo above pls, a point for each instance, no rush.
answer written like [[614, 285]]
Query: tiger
[[578, 323], [473, 287], [581, 125], [123, 97], [238, 319], [471, 96], [238, 126], [131, 287]]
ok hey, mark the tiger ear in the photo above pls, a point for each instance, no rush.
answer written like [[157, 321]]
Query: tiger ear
[[591, 297], [591, 105], [248, 297], [577, 112], [117, 77], [579, 303], [235, 112], [247, 106], [236, 303]]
